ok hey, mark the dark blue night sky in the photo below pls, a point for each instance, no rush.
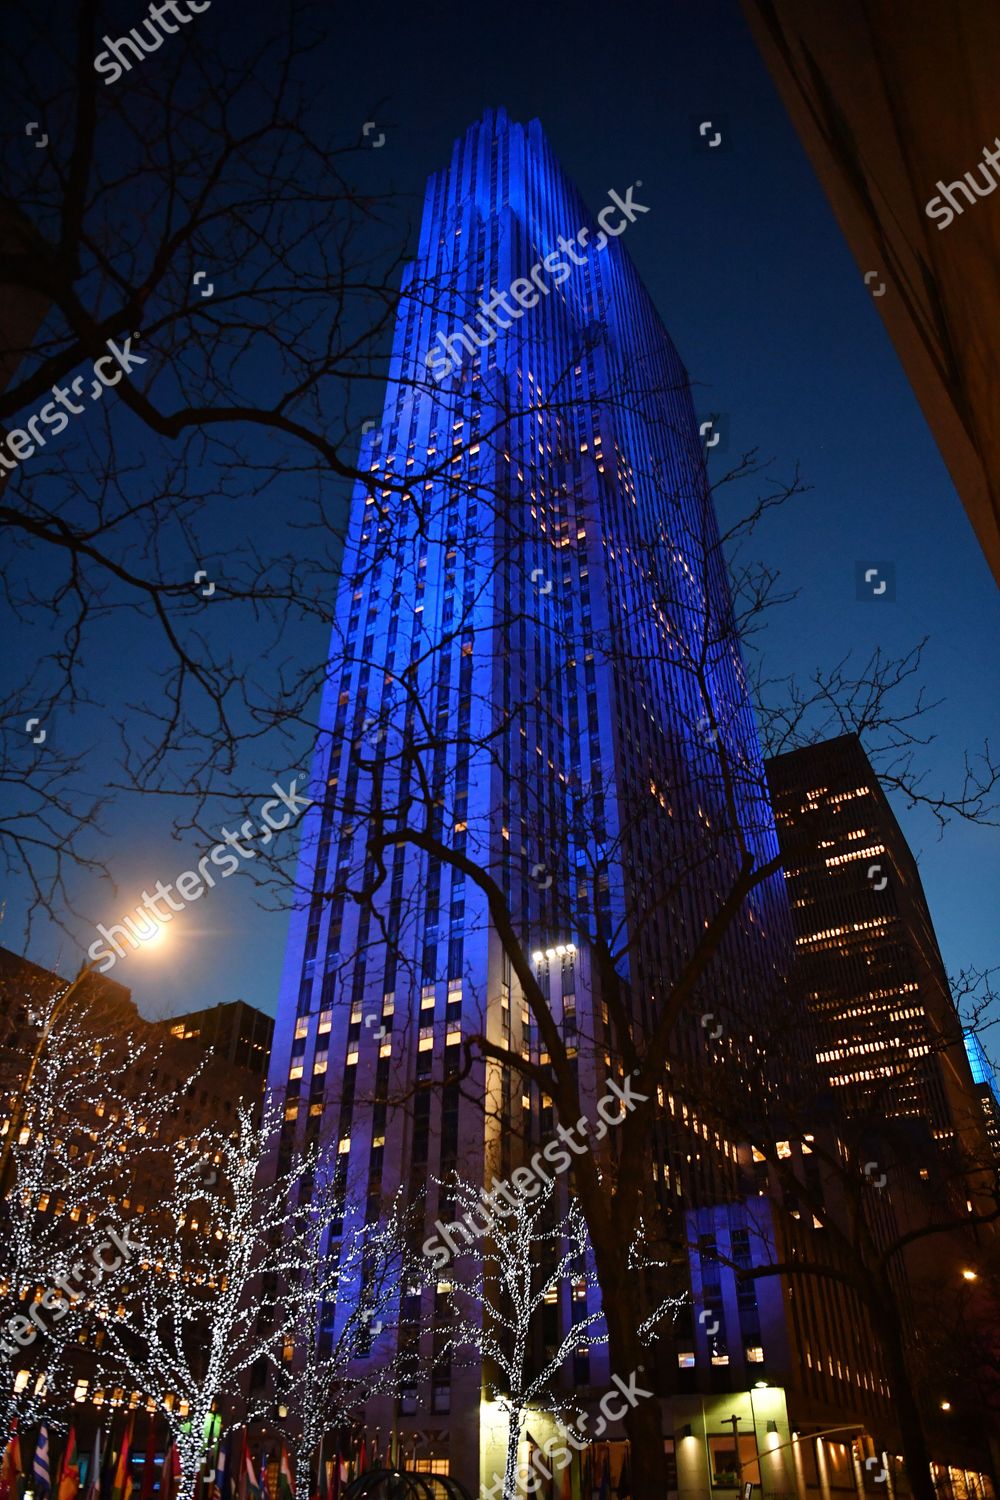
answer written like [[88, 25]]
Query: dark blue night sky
[[745, 262]]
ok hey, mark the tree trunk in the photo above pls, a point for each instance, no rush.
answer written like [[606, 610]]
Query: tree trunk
[[190, 1450], [905, 1406], [628, 1356], [510, 1466]]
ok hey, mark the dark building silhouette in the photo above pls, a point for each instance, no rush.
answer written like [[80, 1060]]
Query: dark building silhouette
[[236, 1033], [895, 102]]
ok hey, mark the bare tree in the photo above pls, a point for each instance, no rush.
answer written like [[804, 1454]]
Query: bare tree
[[178, 1320], [346, 1288], [84, 1125], [531, 1254]]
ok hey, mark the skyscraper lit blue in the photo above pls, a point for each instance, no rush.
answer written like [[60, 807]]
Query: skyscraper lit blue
[[532, 675]]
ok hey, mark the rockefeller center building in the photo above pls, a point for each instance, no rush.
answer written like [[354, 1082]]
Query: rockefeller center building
[[535, 739]]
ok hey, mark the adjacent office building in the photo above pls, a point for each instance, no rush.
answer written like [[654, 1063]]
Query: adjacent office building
[[987, 1088], [173, 1058], [885, 1030]]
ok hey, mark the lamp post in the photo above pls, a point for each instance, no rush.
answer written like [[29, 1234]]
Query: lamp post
[[736, 1445]]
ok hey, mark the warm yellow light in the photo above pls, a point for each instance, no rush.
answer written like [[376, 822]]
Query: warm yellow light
[[968, 1275], [946, 1406], [156, 937]]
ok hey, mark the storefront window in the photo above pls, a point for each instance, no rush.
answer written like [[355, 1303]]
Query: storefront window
[[731, 1467]]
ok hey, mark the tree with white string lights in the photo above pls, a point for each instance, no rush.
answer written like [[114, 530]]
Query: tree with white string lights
[[83, 1123], [185, 1322], [349, 1282]]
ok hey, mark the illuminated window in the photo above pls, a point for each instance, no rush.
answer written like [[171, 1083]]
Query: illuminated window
[[732, 1465]]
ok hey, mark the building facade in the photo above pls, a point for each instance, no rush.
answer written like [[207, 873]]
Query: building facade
[[895, 104], [536, 738], [235, 1032], [885, 1030], [887, 1041], [987, 1088]]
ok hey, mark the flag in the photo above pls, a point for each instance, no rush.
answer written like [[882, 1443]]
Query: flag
[[625, 1477], [605, 1489], [587, 1473], [40, 1464], [286, 1484], [219, 1482], [228, 1477], [566, 1479], [69, 1470], [170, 1473], [319, 1493], [264, 1475], [149, 1462], [362, 1455], [93, 1490], [120, 1482], [222, 1487], [269, 1475], [576, 1475], [252, 1490], [240, 1471], [107, 1464], [11, 1465]]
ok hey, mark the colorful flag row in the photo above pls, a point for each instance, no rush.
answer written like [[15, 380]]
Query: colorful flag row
[[106, 1474]]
